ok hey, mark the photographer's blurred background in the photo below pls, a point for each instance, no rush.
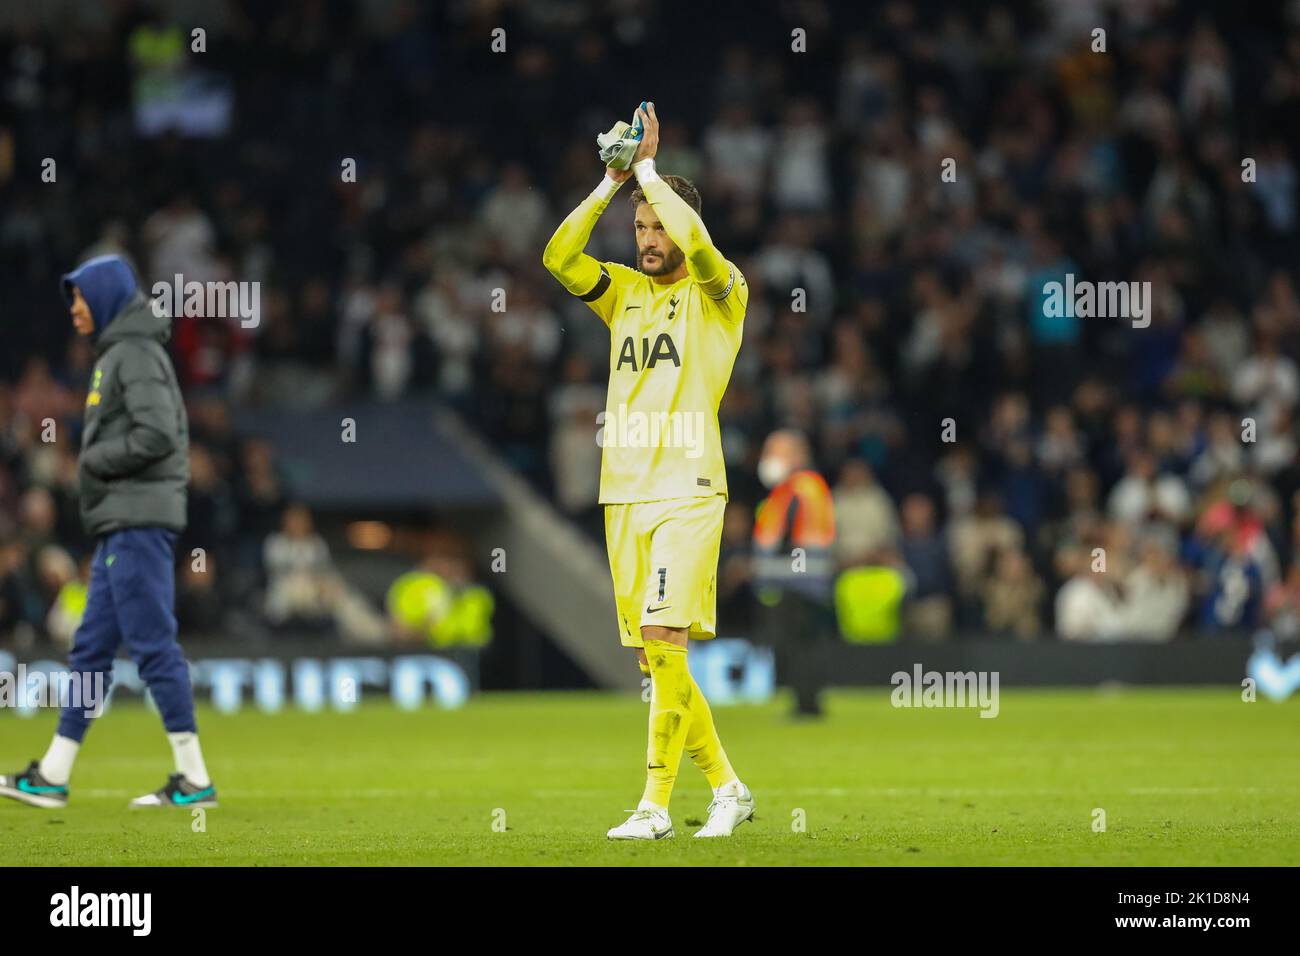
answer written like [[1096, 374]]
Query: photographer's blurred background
[[884, 301]]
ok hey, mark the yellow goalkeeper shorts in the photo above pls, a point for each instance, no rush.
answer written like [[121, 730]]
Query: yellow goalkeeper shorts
[[664, 559]]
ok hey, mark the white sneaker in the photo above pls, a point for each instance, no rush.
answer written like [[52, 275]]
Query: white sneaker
[[647, 822], [732, 805]]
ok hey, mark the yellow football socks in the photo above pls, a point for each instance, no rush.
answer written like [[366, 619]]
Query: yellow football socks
[[679, 718], [702, 741]]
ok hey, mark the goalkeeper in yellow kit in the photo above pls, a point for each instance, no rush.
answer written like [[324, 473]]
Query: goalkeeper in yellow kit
[[675, 327]]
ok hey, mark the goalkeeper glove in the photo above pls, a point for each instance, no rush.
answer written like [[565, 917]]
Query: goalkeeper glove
[[618, 146]]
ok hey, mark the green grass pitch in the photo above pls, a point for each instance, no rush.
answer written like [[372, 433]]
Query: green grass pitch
[[1185, 776]]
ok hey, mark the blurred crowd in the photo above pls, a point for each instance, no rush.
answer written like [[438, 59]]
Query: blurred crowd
[[1025, 474], [249, 561]]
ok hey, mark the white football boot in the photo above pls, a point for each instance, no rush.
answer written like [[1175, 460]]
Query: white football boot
[[732, 805], [647, 822]]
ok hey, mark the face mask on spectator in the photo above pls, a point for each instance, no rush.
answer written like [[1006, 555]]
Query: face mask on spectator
[[772, 471]]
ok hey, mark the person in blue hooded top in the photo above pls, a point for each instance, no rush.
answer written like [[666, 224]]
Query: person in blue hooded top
[[133, 473]]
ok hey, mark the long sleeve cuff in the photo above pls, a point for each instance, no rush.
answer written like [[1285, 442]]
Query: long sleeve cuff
[[645, 171], [605, 191]]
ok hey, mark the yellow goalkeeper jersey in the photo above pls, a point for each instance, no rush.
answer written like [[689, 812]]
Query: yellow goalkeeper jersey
[[671, 351]]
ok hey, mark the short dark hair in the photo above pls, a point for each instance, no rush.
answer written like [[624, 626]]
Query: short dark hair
[[681, 186]]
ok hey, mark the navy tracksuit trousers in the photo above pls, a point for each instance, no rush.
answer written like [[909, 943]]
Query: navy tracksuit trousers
[[132, 600]]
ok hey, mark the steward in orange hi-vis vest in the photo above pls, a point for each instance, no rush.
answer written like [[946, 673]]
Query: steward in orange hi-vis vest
[[794, 530]]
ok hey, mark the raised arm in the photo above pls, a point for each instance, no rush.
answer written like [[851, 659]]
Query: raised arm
[[704, 262], [564, 256]]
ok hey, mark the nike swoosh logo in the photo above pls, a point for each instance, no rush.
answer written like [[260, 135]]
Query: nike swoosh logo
[[26, 787], [656, 610], [631, 307], [182, 798]]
